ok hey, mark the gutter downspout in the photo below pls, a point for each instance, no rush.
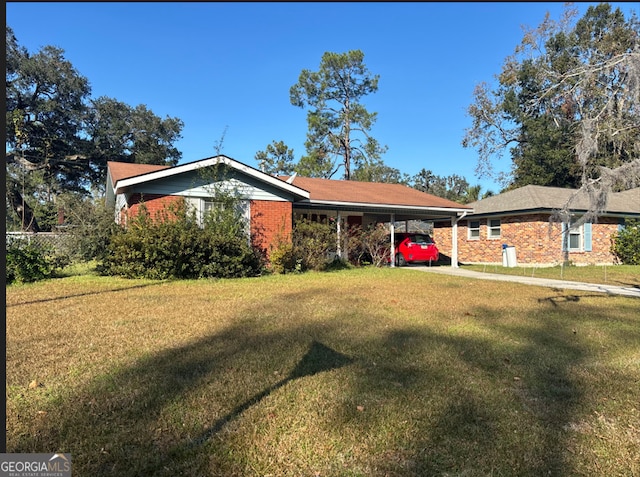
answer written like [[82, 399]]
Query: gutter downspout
[[454, 238]]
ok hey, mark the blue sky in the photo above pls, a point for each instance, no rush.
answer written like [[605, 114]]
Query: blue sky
[[229, 66]]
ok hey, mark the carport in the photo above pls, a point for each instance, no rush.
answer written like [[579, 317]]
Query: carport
[[365, 203]]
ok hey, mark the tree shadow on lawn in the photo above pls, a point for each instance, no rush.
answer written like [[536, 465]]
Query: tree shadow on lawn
[[137, 421], [120, 417], [508, 414], [136, 412], [319, 358], [97, 292]]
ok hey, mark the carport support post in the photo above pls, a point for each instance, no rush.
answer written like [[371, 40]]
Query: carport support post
[[454, 239], [454, 242], [392, 229], [339, 248]]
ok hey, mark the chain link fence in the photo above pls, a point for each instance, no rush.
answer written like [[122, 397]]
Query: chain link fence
[[61, 242]]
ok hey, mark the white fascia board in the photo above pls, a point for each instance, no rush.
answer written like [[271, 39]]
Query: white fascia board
[[212, 161], [386, 206]]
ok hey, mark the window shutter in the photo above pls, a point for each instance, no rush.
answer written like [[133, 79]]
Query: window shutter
[[565, 237], [587, 237], [621, 224]]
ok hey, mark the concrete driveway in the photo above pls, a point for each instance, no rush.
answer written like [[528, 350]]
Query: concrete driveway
[[541, 282]]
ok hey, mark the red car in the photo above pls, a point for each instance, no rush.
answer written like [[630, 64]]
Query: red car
[[415, 247]]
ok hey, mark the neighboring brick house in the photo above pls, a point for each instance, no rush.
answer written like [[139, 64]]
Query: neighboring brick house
[[521, 218], [268, 203]]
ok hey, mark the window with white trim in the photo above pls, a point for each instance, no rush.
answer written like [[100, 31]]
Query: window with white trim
[[209, 206], [575, 239], [473, 229], [493, 229], [579, 238]]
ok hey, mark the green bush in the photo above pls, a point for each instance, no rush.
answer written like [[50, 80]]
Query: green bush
[[92, 227], [28, 262], [313, 242], [625, 244], [283, 259], [173, 245], [369, 245]]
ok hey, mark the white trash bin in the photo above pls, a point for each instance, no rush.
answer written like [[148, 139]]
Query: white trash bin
[[509, 256]]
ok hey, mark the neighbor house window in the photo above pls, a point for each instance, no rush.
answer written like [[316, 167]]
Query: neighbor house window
[[474, 229], [575, 239], [494, 228], [579, 238]]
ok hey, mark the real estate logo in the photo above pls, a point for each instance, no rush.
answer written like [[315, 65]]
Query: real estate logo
[[35, 465]]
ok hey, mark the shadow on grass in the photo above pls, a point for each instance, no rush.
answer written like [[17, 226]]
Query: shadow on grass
[[506, 408], [458, 404], [80, 295], [627, 284], [559, 299], [128, 422], [319, 358]]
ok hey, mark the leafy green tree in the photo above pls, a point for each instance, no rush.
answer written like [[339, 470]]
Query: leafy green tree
[[339, 125], [119, 132], [313, 242], [452, 187], [276, 159], [566, 106], [378, 171], [89, 224], [59, 140], [472, 193], [45, 110]]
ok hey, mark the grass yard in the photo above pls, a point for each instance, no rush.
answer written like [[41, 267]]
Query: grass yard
[[364, 372], [618, 275]]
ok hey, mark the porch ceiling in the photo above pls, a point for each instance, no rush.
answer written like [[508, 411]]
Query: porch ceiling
[[382, 213]]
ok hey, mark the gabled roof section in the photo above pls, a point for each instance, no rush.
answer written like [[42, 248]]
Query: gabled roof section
[[125, 170], [542, 198], [126, 175], [342, 192]]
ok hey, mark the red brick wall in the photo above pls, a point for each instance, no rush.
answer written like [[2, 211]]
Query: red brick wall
[[600, 243], [270, 221], [535, 239], [154, 203]]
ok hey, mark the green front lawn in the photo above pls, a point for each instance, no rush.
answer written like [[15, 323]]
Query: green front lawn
[[365, 372]]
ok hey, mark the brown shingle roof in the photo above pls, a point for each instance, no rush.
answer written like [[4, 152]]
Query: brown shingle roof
[[534, 197], [353, 192], [124, 170], [369, 193]]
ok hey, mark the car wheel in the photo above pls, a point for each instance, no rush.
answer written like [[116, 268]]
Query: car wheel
[[400, 261]]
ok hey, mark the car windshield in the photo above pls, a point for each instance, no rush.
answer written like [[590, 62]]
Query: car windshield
[[422, 239]]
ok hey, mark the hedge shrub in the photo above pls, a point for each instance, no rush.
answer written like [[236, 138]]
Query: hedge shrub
[[313, 243], [173, 245], [625, 244], [29, 262]]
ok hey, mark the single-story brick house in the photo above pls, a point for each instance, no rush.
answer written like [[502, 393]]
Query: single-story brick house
[[520, 218], [270, 203]]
